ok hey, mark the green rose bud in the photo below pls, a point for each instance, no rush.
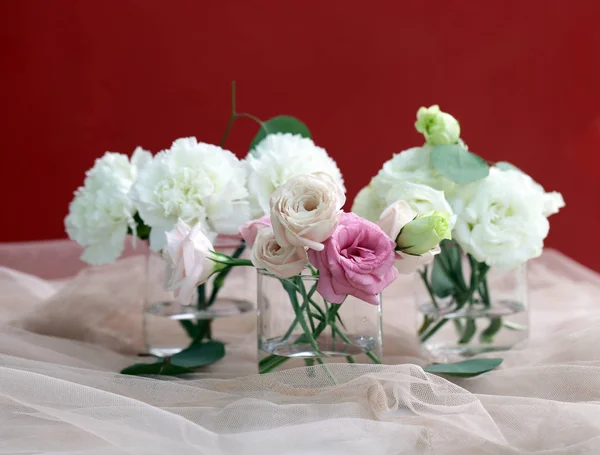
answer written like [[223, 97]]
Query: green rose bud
[[424, 233], [438, 127]]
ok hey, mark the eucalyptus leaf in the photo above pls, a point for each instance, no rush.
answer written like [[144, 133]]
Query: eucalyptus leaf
[[198, 355], [448, 263], [456, 163], [158, 368], [280, 124], [506, 166], [466, 368], [441, 284]]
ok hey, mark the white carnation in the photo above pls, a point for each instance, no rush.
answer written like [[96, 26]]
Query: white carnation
[[278, 158], [502, 219], [194, 182], [412, 165], [102, 212]]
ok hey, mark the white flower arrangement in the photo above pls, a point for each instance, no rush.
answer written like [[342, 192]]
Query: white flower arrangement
[[500, 219], [195, 182], [102, 213], [498, 215]]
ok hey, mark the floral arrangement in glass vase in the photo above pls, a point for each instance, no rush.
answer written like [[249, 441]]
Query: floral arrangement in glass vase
[[473, 296], [321, 270], [201, 185]]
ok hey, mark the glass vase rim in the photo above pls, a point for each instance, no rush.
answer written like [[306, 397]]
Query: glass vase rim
[[306, 277]]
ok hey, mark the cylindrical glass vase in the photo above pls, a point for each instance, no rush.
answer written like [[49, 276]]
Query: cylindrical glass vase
[[297, 327], [170, 324], [488, 312]]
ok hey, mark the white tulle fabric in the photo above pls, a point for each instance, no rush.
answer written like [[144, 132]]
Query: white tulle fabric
[[63, 396]]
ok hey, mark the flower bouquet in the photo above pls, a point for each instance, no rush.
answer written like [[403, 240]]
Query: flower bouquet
[[197, 184], [315, 262], [473, 296]]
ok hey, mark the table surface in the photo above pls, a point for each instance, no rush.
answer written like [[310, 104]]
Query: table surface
[[63, 338]]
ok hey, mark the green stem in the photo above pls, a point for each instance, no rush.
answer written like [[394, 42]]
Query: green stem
[[291, 290], [219, 280], [202, 296], [232, 118], [252, 117], [423, 274], [275, 361], [434, 329]]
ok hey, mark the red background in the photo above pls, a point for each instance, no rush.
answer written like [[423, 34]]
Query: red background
[[82, 77]]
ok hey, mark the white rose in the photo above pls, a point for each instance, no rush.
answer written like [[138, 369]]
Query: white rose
[[281, 261], [421, 198], [501, 219], [101, 212], [195, 182], [306, 209], [189, 255], [438, 127], [367, 204], [278, 158]]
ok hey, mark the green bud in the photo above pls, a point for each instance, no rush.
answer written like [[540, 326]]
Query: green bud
[[424, 233], [438, 127]]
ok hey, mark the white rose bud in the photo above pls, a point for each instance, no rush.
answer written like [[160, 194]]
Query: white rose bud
[[395, 217], [306, 209], [281, 261], [424, 233], [438, 127], [392, 220], [190, 259]]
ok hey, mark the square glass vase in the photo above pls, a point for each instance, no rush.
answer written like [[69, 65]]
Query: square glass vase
[[297, 327], [490, 313], [170, 324]]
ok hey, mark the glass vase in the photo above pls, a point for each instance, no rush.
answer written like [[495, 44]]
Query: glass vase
[[298, 327], [170, 324], [466, 308]]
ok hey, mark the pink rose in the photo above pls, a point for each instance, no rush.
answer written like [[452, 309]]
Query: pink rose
[[189, 256], [249, 230], [358, 260]]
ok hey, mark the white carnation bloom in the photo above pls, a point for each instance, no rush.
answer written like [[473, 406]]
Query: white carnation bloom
[[412, 165], [368, 205], [102, 212], [194, 182], [502, 219], [278, 158]]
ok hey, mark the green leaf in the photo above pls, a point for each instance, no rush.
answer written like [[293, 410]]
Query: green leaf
[[506, 166], [449, 270], [458, 164], [158, 368], [466, 368], [280, 124], [198, 355], [441, 285]]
